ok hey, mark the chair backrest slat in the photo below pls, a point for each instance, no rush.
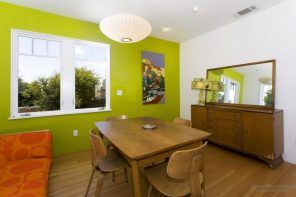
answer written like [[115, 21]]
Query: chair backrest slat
[[180, 162], [99, 150], [183, 121]]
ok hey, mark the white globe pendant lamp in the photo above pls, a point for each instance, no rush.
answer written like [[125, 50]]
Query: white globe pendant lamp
[[125, 28]]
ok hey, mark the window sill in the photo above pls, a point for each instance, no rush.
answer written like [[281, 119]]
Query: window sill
[[59, 113]]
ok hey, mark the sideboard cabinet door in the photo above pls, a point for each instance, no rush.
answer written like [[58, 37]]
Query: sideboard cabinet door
[[258, 134], [198, 117]]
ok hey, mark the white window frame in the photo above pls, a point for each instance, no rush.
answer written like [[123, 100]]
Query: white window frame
[[67, 96]]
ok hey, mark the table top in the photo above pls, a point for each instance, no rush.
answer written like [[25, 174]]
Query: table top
[[136, 142]]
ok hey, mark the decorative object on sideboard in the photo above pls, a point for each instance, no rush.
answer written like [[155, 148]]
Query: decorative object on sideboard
[[246, 84], [202, 85], [215, 88], [125, 28], [205, 85]]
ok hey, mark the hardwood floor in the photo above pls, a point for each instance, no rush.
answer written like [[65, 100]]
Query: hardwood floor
[[227, 174]]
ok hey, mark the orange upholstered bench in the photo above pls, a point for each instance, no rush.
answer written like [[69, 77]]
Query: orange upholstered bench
[[25, 160]]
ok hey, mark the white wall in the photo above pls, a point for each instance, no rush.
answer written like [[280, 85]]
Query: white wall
[[269, 34]]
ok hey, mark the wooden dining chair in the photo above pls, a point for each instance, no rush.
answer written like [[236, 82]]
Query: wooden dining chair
[[121, 117], [181, 176], [183, 121], [104, 161]]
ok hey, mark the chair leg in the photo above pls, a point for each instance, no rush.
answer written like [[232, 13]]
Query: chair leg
[[125, 175], [149, 190], [113, 176], [90, 181], [99, 186]]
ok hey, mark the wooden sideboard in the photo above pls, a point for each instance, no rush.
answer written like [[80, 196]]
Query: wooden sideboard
[[254, 131]]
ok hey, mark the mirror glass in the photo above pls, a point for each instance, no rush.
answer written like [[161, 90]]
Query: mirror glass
[[247, 84]]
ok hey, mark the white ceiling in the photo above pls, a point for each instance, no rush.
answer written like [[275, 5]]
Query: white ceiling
[[258, 70], [177, 14]]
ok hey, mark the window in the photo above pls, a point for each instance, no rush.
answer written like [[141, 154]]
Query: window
[[265, 94], [231, 91], [38, 75], [53, 75], [221, 97], [90, 77]]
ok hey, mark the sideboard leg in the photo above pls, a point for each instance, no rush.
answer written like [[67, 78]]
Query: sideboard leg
[[274, 163]]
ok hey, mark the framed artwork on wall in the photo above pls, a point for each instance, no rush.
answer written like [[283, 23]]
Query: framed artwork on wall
[[153, 69]]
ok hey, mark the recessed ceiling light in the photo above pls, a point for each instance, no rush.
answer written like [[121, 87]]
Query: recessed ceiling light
[[195, 9], [166, 29]]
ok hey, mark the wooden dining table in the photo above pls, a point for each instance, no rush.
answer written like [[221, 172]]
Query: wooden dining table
[[142, 147]]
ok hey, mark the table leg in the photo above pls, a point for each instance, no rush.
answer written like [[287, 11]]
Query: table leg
[[136, 179]]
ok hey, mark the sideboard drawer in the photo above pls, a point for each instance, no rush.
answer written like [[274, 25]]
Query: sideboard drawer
[[226, 127]]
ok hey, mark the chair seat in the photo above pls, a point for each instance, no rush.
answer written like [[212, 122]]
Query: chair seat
[[158, 177], [113, 161]]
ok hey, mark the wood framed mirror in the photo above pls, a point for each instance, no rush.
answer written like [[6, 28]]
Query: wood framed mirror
[[245, 85]]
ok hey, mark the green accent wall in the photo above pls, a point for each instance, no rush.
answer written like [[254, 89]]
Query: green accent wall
[[126, 74], [230, 73]]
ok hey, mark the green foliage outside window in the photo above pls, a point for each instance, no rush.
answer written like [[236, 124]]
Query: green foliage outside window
[[44, 93], [268, 98], [85, 83]]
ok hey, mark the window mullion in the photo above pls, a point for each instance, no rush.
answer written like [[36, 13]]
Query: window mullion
[[67, 76], [107, 62]]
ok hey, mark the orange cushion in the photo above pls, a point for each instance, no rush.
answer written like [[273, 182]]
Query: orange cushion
[[26, 178], [25, 146]]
